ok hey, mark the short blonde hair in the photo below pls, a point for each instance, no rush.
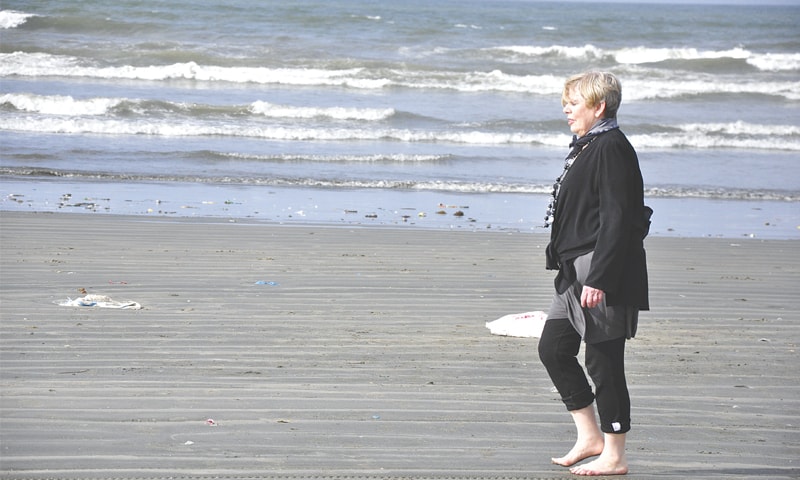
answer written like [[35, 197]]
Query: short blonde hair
[[595, 88]]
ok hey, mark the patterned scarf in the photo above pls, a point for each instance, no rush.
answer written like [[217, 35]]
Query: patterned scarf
[[603, 125], [577, 146]]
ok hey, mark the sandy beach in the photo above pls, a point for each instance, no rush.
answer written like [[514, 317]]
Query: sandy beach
[[288, 352]]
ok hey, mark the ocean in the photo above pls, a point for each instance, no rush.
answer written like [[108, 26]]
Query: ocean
[[408, 114]]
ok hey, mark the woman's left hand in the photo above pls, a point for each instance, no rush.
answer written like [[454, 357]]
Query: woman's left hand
[[591, 297]]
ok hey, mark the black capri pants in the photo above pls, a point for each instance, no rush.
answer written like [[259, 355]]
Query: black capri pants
[[605, 361]]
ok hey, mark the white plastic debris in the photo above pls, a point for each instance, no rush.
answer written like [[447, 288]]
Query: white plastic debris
[[528, 324], [99, 301]]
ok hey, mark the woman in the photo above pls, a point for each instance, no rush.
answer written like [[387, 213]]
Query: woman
[[598, 223]]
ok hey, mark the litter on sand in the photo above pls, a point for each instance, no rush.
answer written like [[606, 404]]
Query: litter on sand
[[100, 301], [528, 324]]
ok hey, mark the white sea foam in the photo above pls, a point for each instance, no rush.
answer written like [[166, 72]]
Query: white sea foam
[[775, 62], [89, 125], [582, 52], [639, 84], [700, 139], [638, 55], [42, 64], [685, 85], [59, 104], [701, 136], [69, 115], [338, 113], [768, 62], [373, 158], [741, 128], [764, 61], [67, 105], [451, 186], [193, 71], [442, 186], [35, 64], [13, 18]]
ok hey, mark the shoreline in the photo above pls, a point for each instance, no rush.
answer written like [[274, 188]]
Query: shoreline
[[674, 217]]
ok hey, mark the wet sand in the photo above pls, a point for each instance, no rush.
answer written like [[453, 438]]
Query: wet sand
[[269, 351]]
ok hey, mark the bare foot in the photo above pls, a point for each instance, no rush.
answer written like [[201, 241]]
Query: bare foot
[[581, 450], [601, 466]]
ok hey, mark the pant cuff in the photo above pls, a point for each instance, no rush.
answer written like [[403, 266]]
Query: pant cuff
[[579, 400], [615, 427]]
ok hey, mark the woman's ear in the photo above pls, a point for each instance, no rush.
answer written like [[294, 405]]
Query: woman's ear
[[600, 109]]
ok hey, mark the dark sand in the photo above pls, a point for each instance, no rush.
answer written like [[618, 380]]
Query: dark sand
[[367, 356]]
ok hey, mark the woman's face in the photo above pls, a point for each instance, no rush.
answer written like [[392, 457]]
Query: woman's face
[[581, 117]]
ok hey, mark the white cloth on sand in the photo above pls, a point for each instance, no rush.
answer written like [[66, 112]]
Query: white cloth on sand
[[101, 301], [528, 324]]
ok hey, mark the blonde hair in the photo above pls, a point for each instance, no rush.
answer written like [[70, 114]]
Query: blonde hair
[[595, 88]]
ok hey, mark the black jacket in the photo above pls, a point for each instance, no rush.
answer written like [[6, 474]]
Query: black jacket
[[601, 208]]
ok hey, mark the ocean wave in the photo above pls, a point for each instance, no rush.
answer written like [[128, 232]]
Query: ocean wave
[[676, 87], [700, 136], [733, 135], [741, 128], [13, 19], [776, 62], [59, 104], [585, 52], [767, 62], [101, 126], [698, 140], [639, 55], [722, 193], [67, 105], [445, 186], [338, 113], [383, 184], [640, 84], [374, 158], [43, 64]]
